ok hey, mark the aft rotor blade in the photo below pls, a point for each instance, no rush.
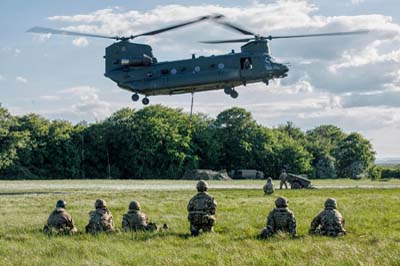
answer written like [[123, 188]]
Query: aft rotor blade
[[232, 26], [65, 32], [319, 34], [154, 32], [228, 41]]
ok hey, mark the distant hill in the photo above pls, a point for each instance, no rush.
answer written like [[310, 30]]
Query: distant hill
[[388, 160]]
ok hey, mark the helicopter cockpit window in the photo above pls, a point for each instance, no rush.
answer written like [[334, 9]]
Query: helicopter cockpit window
[[245, 63]]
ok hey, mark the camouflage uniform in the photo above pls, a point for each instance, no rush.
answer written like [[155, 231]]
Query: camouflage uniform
[[330, 221], [60, 221], [268, 187], [280, 219], [135, 220], [283, 178], [201, 210], [101, 219]]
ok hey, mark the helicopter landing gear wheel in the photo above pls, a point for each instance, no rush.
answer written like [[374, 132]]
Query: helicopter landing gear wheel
[[145, 101], [234, 94], [228, 90], [135, 97]]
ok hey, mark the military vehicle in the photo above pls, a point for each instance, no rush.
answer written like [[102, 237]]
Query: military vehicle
[[298, 181], [247, 174], [134, 67], [205, 174]]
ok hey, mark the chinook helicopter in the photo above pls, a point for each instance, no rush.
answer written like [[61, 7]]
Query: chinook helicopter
[[134, 68]]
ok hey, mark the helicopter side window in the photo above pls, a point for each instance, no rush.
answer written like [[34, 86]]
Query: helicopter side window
[[245, 63], [164, 71]]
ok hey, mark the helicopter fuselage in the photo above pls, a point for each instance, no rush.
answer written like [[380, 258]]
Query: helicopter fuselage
[[133, 67]]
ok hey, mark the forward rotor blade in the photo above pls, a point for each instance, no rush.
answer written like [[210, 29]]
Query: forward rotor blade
[[228, 41], [319, 34], [154, 32], [232, 26], [65, 32]]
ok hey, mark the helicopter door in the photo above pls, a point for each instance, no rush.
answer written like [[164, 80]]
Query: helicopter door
[[246, 65]]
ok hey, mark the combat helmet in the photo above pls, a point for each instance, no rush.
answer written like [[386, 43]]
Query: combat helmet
[[134, 206], [202, 186], [269, 180], [61, 204], [330, 203], [100, 203], [281, 202]]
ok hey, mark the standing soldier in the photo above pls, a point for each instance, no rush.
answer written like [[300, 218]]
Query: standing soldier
[[101, 219], [280, 219], [330, 221], [283, 178], [201, 210], [60, 221], [268, 187], [135, 220]]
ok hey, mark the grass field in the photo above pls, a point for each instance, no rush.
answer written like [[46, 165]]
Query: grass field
[[372, 220]]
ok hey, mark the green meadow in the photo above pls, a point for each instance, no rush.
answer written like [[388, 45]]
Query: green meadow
[[371, 210]]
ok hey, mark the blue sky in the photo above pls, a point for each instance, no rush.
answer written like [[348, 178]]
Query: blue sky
[[352, 82]]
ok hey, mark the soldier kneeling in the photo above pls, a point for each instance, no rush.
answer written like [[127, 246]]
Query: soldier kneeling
[[280, 219], [268, 187], [329, 222], [101, 219], [135, 220], [201, 210], [60, 221]]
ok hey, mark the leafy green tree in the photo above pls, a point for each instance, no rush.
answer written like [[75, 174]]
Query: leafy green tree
[[292, 131], [321, 143], [32, 157], [11, 140], [235, 132], [63, 157], [354, 156], [290, 154], [162, 142]]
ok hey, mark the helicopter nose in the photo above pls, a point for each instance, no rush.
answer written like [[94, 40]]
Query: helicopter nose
[[284, 68]]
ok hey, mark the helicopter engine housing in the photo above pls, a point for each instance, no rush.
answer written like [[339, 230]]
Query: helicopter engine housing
[[126, 54]]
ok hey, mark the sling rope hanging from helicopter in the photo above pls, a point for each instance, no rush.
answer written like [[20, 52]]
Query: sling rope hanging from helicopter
[[191, 114]]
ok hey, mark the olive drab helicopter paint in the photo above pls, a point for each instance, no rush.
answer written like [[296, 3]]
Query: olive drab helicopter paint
[[134, 68]]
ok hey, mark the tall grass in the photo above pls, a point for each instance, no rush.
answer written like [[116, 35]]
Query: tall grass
[[372, 221]]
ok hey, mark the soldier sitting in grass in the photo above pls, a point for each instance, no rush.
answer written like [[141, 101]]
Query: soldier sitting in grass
[[268, 187], [201, 210], [280, 219], [60, 221], [101, 219], [329, 222], [135, 220]]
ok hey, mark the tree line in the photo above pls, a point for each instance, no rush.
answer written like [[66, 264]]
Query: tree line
[[158, 142]]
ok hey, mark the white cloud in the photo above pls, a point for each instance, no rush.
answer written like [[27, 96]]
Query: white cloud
[[17, 51], [80, 42], [356, 2], [50, 97], [21, 79], [41, 38], [87, 103], [1, 77]]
